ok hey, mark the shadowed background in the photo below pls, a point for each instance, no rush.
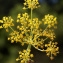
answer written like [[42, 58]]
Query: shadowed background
[[8, 51]]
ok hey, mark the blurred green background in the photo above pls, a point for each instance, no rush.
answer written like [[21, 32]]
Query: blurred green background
[[8, 51]]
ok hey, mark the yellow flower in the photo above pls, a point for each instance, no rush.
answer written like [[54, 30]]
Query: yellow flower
[[15, 36], [24, 56], [52, 49], [31, 4], [7, 22], [50, 20], [49, 33]]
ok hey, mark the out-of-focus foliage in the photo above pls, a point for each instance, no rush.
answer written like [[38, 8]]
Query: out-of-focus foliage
[[8, 51]]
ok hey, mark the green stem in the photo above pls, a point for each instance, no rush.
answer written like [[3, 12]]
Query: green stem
[[31, 13], [29, 46], [31, 25], [11, 28], [42, 50]]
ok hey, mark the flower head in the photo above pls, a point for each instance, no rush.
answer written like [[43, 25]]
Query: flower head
[[52, 49], [7, 22], [31, 4], [24, 56], [50, 20]]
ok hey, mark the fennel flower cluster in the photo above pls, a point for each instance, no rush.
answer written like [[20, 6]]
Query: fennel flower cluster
[[31, 4], [29, 32]]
